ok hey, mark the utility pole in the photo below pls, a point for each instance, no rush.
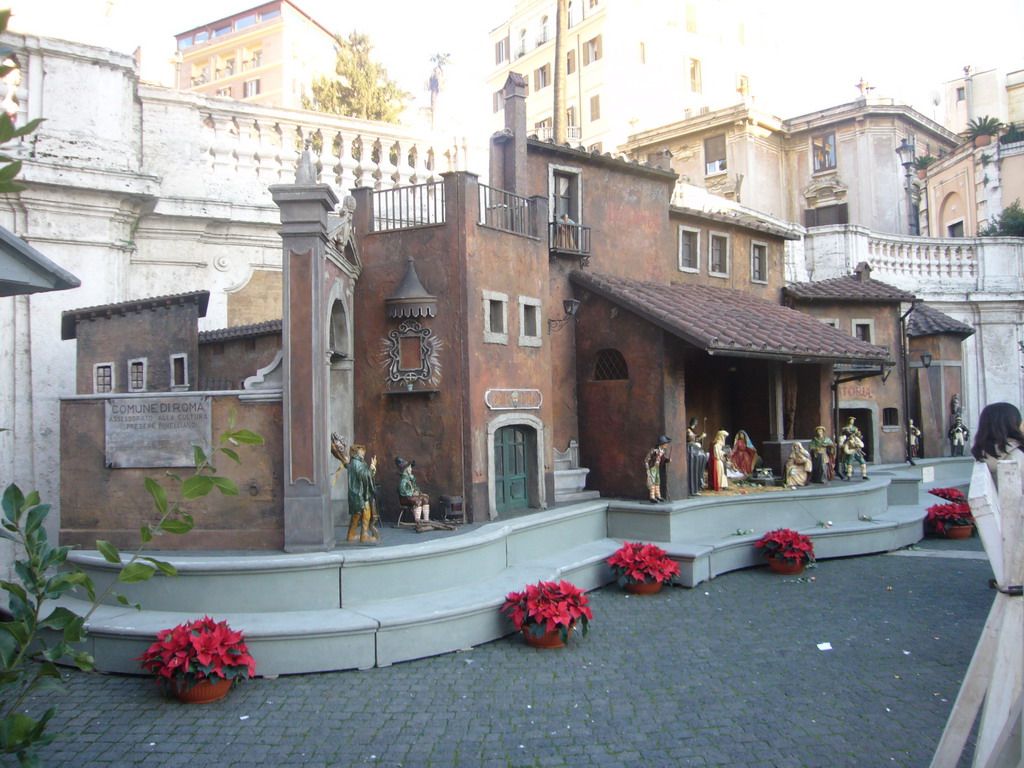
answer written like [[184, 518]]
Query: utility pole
[[561, 33]]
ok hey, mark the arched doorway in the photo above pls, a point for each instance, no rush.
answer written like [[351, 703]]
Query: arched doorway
[[515, 480]]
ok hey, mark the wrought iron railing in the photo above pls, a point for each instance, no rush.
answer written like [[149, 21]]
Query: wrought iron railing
[[405, 207], [506, 211], [569, 238]]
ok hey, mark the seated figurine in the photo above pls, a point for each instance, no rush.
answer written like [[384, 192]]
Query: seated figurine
[[798, 467], [410, 495], [744, 456]]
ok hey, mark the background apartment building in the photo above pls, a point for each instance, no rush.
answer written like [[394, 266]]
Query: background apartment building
[[630, 65], [265, 55]]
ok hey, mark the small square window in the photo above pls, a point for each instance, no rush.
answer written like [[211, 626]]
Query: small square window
[[179, 371], [529, 322], [137, 375], [495, 309], [823, 148], [103, 378], [890, 417], [251, 88], [718, 255], [592, 50], [864, 330], [689, 249], [759, 262]]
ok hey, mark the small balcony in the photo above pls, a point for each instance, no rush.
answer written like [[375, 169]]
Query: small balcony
[[572, 133], [570, 240]]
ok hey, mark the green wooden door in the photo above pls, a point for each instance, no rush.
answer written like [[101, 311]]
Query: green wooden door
[[511, 473]]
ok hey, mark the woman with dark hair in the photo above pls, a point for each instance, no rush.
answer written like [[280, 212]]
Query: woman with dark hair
[[999, 436]]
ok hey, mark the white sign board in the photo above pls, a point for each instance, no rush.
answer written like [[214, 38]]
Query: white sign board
[[156, 431]]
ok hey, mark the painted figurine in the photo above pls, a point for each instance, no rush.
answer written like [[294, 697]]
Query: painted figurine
[[958, 436], [845, 433], [823, 453], [718, 479], [853, 452], [915, 440], [798, 467], [654, 464], [362, 491], [744, 455], [410, 495], [696, 459]]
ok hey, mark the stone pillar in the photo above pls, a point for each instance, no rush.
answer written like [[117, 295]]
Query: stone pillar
[[308, 523]]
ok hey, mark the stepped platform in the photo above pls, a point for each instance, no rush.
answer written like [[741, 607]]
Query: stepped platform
[[419, 595]]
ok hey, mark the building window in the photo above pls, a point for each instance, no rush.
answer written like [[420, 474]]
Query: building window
[[759, 262], [864, 330], [499, 101], [137, 375], [521, 51], [691, 18], [251, 88], [570, 117], [179, 371], [501, 51], [565, 194], [245, 21], [823, 149], [718, 255], [542, 77], [597, 146], [714, 155], [570, 62], [543, 129], [543, 36], [495, 309], [827, 215], [224, 92], [592, 50], [961, 94], [833, 321], [695, 78], [610, 366], [890, 417], [689, 249], [529, 322], [956, 229], [743, 84], [271, 14], [595, 107], [103, 377], [221, 30]]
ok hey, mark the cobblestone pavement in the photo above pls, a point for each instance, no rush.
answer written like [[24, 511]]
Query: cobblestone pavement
[[726, 674]]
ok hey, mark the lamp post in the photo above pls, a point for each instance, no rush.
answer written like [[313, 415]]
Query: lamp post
[[905, 152]]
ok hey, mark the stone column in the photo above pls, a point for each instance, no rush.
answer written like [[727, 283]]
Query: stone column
[[308, 523]]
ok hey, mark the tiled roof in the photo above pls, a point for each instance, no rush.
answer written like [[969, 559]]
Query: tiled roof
[[859, 286], [241, 331], [606, 158], [927, 321], [723, 321], [70, 318], [739, 219]]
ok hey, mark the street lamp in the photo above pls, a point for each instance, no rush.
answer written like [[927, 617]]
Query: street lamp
[[905, 152]]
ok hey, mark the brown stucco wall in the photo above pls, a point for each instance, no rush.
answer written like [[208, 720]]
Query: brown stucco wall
[[112, 504], [227, 364]]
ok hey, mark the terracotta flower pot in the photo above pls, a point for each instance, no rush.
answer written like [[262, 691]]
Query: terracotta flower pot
[[959, 531], [786, 568], [202, 692], [644, 587], [550, 639], [982, 141]]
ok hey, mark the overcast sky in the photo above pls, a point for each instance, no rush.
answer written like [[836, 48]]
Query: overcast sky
[[906, 49]]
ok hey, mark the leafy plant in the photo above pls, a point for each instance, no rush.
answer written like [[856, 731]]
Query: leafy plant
[[642, 563], [983, 126], [27, 659], [1014, 133], [547, 606], [361, 88], [198, 651], [920, 163], [9, 167], [786, 544], [1007, 223]]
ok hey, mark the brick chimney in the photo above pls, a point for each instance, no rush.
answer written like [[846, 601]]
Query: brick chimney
[[508, 146]]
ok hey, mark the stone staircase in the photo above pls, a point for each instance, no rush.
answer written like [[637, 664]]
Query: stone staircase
[[360, 608]]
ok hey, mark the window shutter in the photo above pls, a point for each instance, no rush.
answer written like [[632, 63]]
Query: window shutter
[[597, 55]]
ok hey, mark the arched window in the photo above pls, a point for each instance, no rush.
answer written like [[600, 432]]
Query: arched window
[[543, 30], [610, 366]]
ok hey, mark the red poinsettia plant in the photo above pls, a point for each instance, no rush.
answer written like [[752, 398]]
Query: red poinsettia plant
[[198, 651], [547, 606], [949, 494], [786, 544], [954, 513], [642, 563]]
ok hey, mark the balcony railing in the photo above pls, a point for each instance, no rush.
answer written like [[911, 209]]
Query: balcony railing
[[569, 239], [405, 207], [506, 211], [572, 133]]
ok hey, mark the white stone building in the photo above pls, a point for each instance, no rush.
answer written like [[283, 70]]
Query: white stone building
[[146, 191]]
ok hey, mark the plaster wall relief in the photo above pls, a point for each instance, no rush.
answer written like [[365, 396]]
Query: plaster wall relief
[[826, 189]]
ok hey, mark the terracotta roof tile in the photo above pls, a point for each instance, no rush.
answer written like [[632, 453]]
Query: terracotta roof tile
[[71, 317], [265, 328], [859, 286], [927, 321], [728, 322]]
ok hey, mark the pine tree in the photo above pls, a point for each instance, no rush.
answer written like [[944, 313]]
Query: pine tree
[[361, 87]]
